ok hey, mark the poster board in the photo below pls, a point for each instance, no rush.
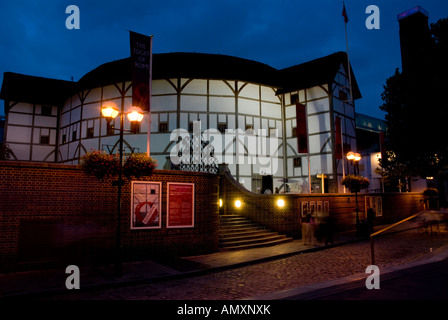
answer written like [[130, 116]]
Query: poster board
[[327, 207], [304, 208], [312, 208], [376, 203], [180, 207], [146, 205]]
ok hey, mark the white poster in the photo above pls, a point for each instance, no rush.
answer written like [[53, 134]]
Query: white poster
[[146, 205]]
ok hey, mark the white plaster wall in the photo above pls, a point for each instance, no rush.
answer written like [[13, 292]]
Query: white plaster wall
[[18, 134], [20, 119], [248, 106]]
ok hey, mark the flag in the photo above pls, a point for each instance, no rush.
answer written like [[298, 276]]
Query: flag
[[344, 13], [338, 138], [301, 129], [141, 51]]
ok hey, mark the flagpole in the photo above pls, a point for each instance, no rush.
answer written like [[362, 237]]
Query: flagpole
[[348, 58], [308, 145], [344, 13], [343, 163], [148, 143]]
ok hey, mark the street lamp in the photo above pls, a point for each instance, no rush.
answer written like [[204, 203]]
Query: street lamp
[[354, 159], [110, 111]]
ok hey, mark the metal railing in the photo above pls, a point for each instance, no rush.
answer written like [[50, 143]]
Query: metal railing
[[372, 249]]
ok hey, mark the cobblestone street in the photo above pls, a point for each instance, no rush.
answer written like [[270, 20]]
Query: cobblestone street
[[294, 271]]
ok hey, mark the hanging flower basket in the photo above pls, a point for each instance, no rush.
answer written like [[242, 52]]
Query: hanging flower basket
[[100, 164], [139, 165], [355, 183]]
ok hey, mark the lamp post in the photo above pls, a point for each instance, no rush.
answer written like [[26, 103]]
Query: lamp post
[[110, 111], [354, 159]]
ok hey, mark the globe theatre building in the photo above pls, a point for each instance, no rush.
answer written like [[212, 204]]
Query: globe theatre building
[[249, 108]]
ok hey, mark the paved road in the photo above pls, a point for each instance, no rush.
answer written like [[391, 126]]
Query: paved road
[[423, 282], [283, 274]]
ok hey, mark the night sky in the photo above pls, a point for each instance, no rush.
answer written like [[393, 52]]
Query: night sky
[[34, 39]]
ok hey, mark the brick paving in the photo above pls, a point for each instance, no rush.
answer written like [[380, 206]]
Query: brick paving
[[280, 274]]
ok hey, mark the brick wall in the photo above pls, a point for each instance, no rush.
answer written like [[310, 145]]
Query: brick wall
[[262, 208], [55, 214], [52, 214]]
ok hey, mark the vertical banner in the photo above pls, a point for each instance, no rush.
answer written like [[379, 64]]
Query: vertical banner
[[338, 139], [141, 52], [382, 145], [180, 207], [146, 205], [302, 139]]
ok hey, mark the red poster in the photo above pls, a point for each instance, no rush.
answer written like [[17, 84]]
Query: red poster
[[180, 205]]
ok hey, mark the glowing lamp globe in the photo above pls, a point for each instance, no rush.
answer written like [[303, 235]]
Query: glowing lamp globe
[[110, 110], [135, 114]]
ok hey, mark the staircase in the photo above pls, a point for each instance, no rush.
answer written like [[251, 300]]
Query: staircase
[[239, 232]]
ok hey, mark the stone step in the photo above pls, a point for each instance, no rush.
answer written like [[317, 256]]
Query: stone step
[[239, 232], [253, 226], [248, 236], [244, 233], [256, 245], [245, 241]]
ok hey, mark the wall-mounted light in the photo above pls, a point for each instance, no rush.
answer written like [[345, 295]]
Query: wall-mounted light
[[280, 203], [220, 203], [238, 203]]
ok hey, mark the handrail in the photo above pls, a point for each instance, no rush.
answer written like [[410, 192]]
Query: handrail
[[372, 252]]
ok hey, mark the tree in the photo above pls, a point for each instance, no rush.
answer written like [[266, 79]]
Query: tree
[[417, 113], [396, 175]]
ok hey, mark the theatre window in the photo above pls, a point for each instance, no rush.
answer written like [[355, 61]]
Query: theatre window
[[44, 139], [46, 110], [90, 133], [163, 126], [222, 127]]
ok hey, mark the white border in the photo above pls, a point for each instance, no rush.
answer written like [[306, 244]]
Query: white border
[[159, 206]]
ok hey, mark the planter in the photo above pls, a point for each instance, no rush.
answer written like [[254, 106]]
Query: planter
[[139, 165], [100, 164]]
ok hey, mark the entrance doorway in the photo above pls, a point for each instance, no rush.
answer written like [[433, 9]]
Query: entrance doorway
[[267, 184]]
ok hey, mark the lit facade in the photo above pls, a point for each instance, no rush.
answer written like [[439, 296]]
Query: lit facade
[[50, 120]]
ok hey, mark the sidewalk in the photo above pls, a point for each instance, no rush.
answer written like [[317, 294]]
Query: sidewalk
[[33, 283], [425, 279], [29, 283]]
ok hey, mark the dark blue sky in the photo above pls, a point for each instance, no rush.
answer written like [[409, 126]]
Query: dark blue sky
[[280, 33]]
